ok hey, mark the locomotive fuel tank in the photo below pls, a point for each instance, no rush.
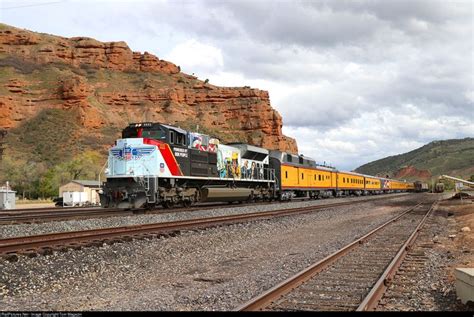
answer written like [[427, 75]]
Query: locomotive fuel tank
[[215, 194]]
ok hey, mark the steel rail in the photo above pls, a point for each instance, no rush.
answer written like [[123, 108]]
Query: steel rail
[[45, 216], [370, 302], [27, 243], [268, 297], [39, 209]]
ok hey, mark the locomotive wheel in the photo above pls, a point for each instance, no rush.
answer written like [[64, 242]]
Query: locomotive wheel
[[187, 203], [168, 204]]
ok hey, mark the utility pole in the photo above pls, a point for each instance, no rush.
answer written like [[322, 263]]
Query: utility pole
[[3, 133]]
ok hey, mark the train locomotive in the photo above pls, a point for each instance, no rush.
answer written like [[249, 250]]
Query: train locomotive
[[158, 164]]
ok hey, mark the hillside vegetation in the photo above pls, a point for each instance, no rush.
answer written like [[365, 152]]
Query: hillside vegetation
[[452, 157]]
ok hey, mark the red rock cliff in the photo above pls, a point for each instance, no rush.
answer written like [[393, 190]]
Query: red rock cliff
[[106, 85]]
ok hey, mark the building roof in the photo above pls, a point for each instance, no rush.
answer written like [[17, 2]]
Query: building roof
[[87, 183], [5, 190]]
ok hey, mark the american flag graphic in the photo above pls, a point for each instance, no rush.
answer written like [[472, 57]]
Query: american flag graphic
[[127, 154]]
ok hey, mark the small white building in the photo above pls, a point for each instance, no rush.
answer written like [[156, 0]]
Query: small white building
[[80, 192], [7, 198]]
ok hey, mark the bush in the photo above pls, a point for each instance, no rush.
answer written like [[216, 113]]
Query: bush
[[19, 64]]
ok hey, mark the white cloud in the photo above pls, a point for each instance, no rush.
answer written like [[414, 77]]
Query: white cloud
[[376, 135], [194, 56]]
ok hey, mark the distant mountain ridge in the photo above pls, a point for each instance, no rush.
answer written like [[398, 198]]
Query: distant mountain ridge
[[454, 157]]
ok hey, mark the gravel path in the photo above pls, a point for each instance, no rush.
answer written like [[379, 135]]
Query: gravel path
[[214, 269], [8, 231]]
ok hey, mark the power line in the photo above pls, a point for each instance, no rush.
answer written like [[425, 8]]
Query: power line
[[31, 5]]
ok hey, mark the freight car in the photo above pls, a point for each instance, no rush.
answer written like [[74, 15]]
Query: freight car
[[158, 164], [438, 188], [421, 187]]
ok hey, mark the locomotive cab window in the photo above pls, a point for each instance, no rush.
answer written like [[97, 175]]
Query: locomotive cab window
[[171, 137], [180, 139], [154, 134]]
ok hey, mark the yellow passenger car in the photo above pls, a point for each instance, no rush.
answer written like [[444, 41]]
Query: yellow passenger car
[[372, 184], [349, 181]]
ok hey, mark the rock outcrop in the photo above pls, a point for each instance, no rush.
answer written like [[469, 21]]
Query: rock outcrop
[[79, 51], [412, 172], [106, 86]]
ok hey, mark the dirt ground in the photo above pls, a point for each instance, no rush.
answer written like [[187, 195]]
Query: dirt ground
[[19, 205], [462, 245]]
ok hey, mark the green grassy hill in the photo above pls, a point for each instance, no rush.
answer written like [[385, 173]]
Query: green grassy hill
[[452, 157]]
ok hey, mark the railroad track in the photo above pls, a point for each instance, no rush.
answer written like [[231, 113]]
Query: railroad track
[[353, 278], [48, 208], [57, 214], [399, 294], [47, 215], [46, 243], [39, 215]]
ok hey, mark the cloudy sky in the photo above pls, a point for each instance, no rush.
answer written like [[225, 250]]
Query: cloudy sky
[[354, 81]]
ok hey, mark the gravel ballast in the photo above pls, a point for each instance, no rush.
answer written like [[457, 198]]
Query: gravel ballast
[[214, 269], [18, 230]]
